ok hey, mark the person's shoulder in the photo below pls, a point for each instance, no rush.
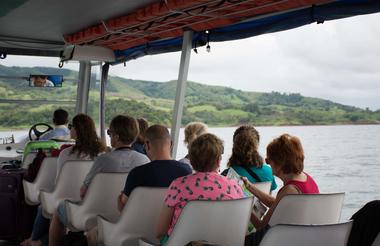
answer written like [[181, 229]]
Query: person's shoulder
[[181, 166], [66, 150], [183, 180], [266, 167], [105, 157], [142, 170], [138, 155]]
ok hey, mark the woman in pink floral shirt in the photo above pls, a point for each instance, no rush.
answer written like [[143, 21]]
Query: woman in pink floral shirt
[[206, 184]]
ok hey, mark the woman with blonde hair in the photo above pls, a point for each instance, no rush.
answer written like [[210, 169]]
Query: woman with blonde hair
[[245, 159], [192, 131], [285, 155], [138, 145]]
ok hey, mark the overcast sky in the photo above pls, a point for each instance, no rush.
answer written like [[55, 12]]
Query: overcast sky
[[338, 60]]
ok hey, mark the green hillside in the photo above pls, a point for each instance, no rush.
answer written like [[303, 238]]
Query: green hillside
[[214, 105]]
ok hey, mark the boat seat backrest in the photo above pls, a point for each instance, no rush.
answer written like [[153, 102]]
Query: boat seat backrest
[[310, 235], [306, 209], [67, 186], [137, 220], [28, 159], [220, 222], [44, 180], [101, 199]]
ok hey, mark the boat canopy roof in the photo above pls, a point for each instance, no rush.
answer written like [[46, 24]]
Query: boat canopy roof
[[133, 29]]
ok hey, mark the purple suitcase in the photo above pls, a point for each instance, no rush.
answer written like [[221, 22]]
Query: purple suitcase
[[16, 217]]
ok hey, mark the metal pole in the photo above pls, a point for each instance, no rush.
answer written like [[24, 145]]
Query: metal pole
[[181, 88], [83, 86], [102, 102]]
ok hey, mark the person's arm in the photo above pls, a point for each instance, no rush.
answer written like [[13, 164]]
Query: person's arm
[[260, 223], [133, 180], [265, 198], [121, 201], [163, 224]]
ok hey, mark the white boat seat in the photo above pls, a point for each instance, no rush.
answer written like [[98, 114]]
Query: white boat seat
[[306, 209], [44, 180], [220, 222], [138, 218], [67, 186], [101, 199], [310, 235]]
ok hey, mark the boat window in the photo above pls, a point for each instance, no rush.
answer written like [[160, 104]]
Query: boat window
[[21, 105]]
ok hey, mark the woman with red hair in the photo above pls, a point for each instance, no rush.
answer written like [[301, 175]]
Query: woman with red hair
[[285, 155]]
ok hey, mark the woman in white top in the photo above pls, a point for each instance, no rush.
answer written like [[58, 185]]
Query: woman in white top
[[192, 131], [87, 143]]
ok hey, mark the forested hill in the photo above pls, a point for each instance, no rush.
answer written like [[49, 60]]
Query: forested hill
[[214, 105]]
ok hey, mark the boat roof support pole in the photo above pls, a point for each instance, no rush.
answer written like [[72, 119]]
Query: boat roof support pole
[[181, 88], [83, 86], [102, 101]]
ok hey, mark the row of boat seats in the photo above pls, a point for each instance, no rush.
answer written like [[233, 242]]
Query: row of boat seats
[[312, 209], [141, 213], [144, 205]]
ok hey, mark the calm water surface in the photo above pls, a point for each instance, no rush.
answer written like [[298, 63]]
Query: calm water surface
[[340, 158]]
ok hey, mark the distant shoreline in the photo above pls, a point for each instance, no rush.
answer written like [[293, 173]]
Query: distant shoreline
[[2, 129]]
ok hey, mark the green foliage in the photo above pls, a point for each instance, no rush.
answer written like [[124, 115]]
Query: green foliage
[[214, 105]]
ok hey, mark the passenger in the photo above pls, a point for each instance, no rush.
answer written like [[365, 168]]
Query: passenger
[[87, 146], [160, 172], [192, 131], [285, 155], [138, 145], [245, 158], [123, 132], [41, 81], [205, 184], [60, 131], [87, 143]]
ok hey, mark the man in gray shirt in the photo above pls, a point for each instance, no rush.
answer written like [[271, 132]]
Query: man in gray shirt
[[123, 132]]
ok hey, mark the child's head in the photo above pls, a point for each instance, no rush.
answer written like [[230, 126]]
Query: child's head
[[206, 152]]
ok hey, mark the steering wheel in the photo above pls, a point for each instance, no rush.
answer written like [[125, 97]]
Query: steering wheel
[[37, 133]]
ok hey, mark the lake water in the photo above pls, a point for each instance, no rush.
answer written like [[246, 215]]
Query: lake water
[[340, 158]]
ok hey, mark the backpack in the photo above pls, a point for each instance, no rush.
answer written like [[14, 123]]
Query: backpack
[[34, 167]]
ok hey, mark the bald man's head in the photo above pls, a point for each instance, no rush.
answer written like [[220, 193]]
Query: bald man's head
[[157, 133], [158, 143]]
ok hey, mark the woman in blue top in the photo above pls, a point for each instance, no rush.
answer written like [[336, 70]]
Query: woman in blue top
[[245, 158]]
